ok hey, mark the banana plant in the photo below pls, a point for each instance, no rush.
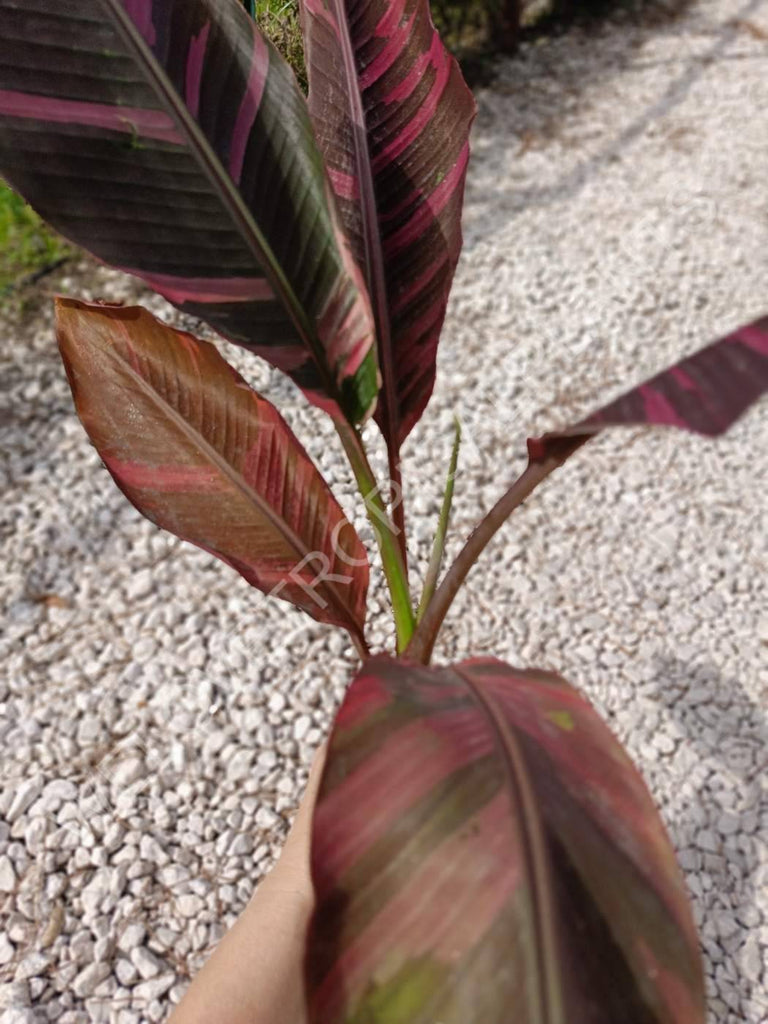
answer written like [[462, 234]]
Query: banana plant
[[482, 845]]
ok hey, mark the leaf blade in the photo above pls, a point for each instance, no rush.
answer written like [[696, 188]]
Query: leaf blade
[[202, 455], [197, 167], [392, 116], [420, 869], [705, 393]]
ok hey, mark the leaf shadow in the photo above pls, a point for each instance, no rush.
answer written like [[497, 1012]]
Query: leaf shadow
[[719, 808], [533, 102]]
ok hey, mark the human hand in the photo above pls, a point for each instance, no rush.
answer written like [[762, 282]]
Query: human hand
[[255, 976]]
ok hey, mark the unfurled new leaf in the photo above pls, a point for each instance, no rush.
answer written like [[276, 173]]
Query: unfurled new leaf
[[170, 139], [392, 115], [484, 851], [204, 456]]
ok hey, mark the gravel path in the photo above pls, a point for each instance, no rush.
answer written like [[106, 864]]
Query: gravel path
[[157, 716]]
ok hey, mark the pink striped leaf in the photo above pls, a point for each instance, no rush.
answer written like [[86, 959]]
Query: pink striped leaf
[[705, 393], [201, 454], [170, 139], [392, 115], [484, 852]]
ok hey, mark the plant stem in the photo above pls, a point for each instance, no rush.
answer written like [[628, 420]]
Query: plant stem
[[398, 502], [438, 547], [420, 647], [360, 645], [384, 531]]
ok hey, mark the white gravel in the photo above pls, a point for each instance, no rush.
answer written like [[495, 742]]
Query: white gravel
[[157, 716]]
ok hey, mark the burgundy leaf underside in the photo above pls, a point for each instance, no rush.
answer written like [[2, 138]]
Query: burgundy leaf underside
[[201, 454], [392, 114], [705, 393], [484, 851]]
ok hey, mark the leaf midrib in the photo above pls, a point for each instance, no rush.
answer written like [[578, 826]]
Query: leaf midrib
[[374, 250], [533, 852], [220, 463], [223, 185]]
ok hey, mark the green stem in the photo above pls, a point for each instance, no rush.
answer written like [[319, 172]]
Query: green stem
[[438, 547], [385, 533], [420, 648]]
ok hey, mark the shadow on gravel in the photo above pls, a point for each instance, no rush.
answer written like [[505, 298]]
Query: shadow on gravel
[[729, 732], [547, 81], [40, 462]]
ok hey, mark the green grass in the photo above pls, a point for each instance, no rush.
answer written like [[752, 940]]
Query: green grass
[[472, 25], [279, 20], [26, 244]]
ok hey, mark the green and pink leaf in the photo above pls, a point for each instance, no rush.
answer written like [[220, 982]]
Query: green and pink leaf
[[196, 170], [482, 842], [392, 116]]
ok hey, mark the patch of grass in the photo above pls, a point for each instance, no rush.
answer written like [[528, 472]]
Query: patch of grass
[[279, 20], [27, 245]]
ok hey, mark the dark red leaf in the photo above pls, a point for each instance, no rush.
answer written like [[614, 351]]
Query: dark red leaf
[[484, 852], [705, 393], [392, 115], [206, 457]]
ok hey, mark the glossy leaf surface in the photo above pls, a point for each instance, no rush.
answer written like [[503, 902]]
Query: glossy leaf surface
[[392, 115], [484, 852], [201, 454], [705, 393], [170, 139]]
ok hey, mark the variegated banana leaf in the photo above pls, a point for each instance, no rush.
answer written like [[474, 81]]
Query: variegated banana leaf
[[705, 393], [201, 454], [484, 852], [392, 115], [170, 139]]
